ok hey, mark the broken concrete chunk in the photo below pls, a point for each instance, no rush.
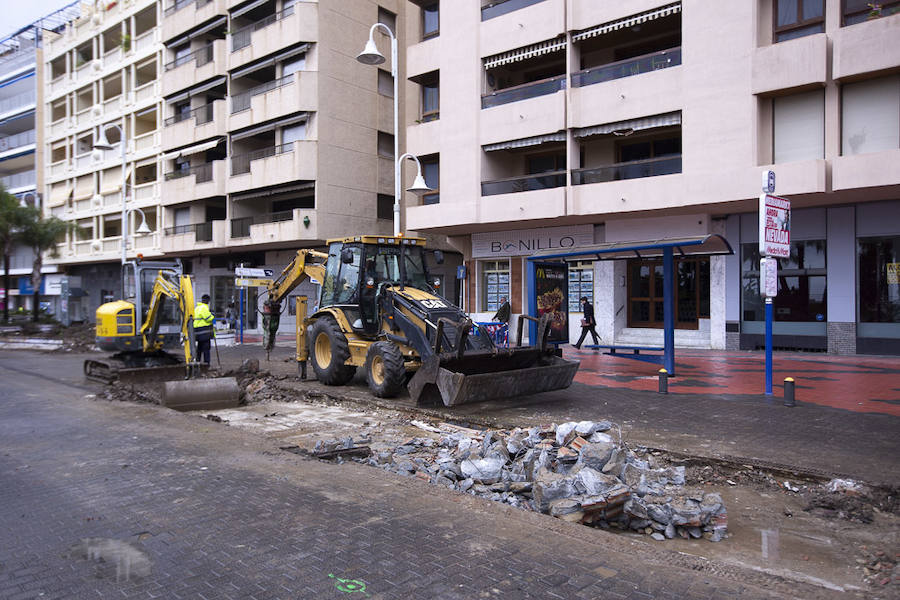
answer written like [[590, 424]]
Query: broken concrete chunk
[[658, 536], [591, 482], [549, 486], [565, 433], [485, 470], [596, 455]]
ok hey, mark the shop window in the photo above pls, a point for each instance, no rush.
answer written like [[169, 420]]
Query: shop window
[[870, 116], [799, 127], [494, 284], [802, 291], [797, 18], [879, 279], [581, 284], [223, 294]]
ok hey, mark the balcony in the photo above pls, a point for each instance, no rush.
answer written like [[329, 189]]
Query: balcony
[[790, 64], [641, 193], [18, 103], [536, 201], [25, 179], [867, 47], [183, 15], [536, 115], [59, 84], [16, 141], [199, 181], [146, 192], [524, 183], [273, 227], [524, 91], [273, 166], [532, 21], [148, 91], [653, 93], [146, 141], [275, 32], [627, 68], [183, 238], [588, 13], [651, 167], [865, 170], [280, 97], [199, 65], [199, 124]]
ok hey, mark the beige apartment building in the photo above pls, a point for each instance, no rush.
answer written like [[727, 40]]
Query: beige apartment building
[[565, 123], [252, 131]]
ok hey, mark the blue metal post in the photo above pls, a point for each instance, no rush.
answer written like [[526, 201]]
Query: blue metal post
[[241, 313], [669, 311], [532, 301], [768, 346]]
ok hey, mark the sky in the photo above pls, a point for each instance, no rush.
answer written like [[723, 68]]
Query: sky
[[18, 13]]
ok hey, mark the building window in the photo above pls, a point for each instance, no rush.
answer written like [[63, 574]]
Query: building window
[[385, 207], [643, 150], [431, 21], [385, 144], [879, 279], [431, 172], [292, 133], [581, 283], [494, 284], [857, 11], [801, 283], [797, 18], [385, 83], [386, 17], [431, 98], [870, 116], [799, 127]]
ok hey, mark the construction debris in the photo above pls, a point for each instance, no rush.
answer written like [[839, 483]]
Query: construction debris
[[573, 471]]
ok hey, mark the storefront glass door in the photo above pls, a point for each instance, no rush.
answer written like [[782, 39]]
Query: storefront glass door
[[645, 292]]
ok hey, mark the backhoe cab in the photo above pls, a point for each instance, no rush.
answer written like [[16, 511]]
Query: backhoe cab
[[380, 310]]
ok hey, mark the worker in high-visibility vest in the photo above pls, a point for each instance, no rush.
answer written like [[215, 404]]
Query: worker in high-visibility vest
[[203, 328]]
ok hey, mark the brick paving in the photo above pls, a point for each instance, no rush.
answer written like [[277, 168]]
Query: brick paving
[[219, 513]]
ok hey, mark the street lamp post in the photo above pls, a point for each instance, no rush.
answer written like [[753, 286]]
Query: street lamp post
[[103, 144], [418, 187]]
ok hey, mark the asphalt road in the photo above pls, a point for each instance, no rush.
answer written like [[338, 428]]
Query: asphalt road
[[104, 500]]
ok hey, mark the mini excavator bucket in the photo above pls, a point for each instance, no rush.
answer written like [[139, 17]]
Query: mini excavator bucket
[[461, 377]]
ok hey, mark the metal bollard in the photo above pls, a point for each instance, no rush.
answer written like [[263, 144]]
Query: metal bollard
[[789, 392], [663, 381]]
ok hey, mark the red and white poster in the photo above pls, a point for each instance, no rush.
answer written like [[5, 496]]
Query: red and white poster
[[774, 226]]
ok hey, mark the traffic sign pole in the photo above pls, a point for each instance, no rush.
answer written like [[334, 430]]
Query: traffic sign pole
[[768, 346], [241, 312]]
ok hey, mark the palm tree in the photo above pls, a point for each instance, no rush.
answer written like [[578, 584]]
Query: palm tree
[[42, 235], [12, 218]]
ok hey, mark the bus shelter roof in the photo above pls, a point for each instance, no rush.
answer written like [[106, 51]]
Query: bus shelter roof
[[701, 245]]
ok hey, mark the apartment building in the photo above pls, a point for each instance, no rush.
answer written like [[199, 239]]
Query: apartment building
[[251, 131], [20, 149], [573, 122]]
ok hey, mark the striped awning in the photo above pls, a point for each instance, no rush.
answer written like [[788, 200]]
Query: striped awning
[[637, 19], [559, 136], [631, 125], [192, 149], [525, 52]]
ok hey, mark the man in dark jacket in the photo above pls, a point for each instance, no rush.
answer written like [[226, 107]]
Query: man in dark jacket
[[588, 323], [503, 312]]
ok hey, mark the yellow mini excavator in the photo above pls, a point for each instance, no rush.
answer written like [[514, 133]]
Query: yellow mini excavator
[[139, 327], [378, 310]]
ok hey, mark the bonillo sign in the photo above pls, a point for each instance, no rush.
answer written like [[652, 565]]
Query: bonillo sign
[[524, 242]]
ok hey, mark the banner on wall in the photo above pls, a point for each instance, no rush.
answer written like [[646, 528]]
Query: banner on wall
[[551, 290]]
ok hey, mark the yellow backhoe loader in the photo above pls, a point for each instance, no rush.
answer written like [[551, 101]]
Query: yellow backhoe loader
[[379, 310], [158, 313]]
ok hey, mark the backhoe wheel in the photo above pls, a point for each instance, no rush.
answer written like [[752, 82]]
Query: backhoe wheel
[[328, 351], [384, 369]]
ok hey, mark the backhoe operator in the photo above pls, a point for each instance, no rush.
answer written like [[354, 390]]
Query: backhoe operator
[[203, 328]]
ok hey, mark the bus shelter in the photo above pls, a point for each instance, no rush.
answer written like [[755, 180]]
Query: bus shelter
[[667, 249]]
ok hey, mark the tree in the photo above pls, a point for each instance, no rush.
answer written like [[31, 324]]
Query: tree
[[42, 235], [12, 219]]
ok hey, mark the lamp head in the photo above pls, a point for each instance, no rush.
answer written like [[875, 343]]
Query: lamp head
[[143, 229], [419, 187], [370, 54], [102, 143]]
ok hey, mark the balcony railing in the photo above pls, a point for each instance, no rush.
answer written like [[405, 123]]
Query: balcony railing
[[16, 60], [241, 101], [240, 228], [203, 232], [17, 180], [240, 163], [626, 68], [201, 115], [501, 7], [526, 183], [524, 91], [19, 100], [241, 37], [202, 172], [179, 4], [17, 140], [201, 55], [651, 167]]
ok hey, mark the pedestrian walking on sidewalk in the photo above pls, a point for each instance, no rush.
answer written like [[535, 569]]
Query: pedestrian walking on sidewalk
[[588, 323], [203, 328]]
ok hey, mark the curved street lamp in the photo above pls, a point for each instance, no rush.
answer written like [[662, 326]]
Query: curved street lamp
[[102, 144]]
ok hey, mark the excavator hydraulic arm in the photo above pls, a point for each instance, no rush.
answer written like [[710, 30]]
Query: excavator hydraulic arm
[[180, 289]]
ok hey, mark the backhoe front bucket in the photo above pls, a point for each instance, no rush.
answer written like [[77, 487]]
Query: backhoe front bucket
[[479, 377]]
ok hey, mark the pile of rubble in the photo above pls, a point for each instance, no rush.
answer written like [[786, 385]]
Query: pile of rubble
[[573, 471]]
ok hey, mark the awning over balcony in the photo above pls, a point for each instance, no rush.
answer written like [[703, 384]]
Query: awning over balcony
[[637, 19], [298, 118], [200, 89], [269, 62], [118, 186], [524, 53], [277, 191], [559, 136], [220, 22], [247, 8], [631, 125], [192, 149]]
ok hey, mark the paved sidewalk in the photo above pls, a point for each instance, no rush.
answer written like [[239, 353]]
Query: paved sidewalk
[[180, 507]]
